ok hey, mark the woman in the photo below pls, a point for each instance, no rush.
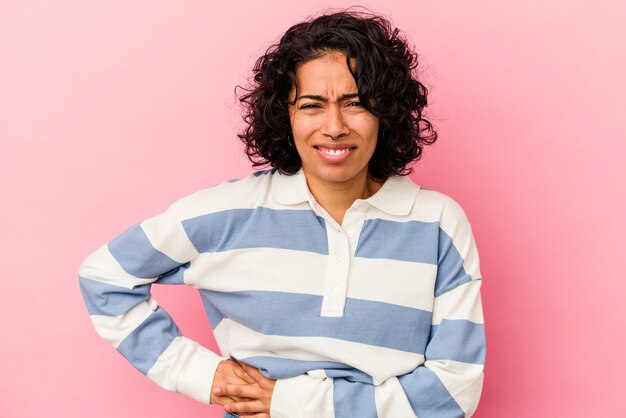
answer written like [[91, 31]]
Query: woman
[[334, 285]]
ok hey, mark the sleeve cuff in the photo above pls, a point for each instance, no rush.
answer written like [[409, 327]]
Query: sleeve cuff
[[196, 378]]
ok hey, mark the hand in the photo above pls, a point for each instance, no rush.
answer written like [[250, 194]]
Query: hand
[[229, 372], [254, 399]]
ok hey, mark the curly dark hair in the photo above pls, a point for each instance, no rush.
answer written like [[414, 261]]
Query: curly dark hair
[[384, 75]]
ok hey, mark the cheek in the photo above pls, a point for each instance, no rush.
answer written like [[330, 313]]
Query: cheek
[[372, 148], [372, 141], [367, 124], [370, 134], [304, 127]]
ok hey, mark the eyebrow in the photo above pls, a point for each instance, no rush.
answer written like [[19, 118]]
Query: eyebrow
[[325, 99]]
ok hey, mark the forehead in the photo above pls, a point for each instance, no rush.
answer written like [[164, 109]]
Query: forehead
[[328, 75]]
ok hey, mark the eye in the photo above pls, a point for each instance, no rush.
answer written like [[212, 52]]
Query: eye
[[354, 103], [309, 106]]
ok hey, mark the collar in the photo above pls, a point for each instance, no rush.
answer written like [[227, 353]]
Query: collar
[[395, 197], [290, 189]]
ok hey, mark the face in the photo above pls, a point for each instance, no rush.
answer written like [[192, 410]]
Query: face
[[328, 107]]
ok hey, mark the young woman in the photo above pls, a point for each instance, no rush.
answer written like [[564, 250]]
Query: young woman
[[335, 286]]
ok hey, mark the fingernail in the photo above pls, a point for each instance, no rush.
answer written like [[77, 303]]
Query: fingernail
[[217, 391]]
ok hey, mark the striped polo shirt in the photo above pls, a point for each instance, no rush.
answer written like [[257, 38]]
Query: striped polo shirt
[[380, 316]]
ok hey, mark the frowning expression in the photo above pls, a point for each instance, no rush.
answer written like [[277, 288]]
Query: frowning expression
[[334, 134]]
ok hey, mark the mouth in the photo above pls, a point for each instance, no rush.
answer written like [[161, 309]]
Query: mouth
[[334, 155]]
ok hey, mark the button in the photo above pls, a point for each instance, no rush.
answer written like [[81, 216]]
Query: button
[[336, 289], [350, 234], [341, 261]]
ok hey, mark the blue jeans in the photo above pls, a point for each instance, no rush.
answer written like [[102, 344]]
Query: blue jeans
[[230, 415]]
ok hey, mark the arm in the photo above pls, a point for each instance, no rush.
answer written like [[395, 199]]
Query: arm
[[449, 383], [115, 283]]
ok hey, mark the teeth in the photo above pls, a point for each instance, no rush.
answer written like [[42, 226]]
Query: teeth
[[334, 151]]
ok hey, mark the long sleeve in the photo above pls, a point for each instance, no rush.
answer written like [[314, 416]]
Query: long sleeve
[[115, 282], [449, 382]]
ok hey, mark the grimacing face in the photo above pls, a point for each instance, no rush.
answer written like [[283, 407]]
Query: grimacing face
[[328, 106]]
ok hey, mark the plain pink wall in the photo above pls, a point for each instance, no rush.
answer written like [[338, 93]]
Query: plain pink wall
[[111, 110]]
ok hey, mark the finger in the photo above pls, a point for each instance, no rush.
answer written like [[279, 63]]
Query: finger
[[246, 407], [243, 375], [263, 382], [241, 391], [223, 400], [253, 371]]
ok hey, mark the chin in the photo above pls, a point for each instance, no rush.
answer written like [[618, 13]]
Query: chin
[[338, 175]]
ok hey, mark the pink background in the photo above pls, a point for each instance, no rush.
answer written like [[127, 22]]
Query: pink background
[[111, 110]]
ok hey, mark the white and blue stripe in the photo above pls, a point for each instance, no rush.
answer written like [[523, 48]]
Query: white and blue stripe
[[385, 307]]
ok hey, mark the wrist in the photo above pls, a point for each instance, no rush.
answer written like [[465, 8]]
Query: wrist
[[196, 379]]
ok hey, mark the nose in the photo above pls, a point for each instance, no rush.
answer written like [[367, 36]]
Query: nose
[[334, 124]]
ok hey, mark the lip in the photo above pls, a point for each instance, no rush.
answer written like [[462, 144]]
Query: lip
[[334, 153]]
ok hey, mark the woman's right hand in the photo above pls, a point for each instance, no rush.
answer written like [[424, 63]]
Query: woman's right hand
[[229, 372]]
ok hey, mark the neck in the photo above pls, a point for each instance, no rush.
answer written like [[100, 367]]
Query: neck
[[337, 197]]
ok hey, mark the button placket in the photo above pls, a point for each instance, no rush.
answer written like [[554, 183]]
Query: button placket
[[337, 279], [353, 222], [342, 240]]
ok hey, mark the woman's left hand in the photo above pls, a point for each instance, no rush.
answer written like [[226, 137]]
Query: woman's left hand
[[260, 394]]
